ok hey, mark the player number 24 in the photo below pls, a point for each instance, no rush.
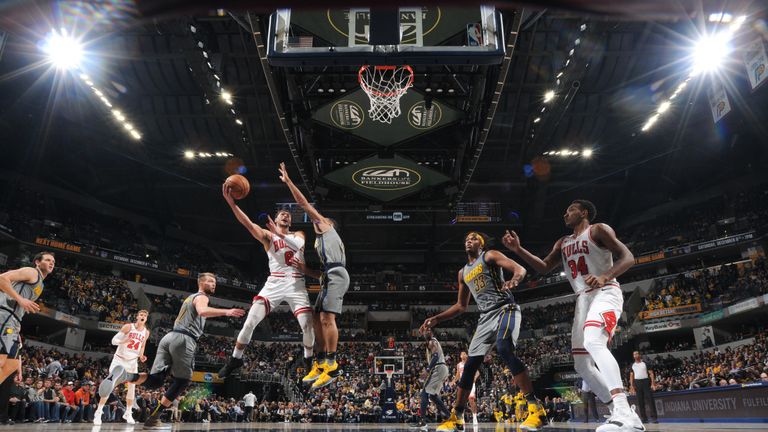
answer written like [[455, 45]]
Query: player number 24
[[578, 268], [134, 344]]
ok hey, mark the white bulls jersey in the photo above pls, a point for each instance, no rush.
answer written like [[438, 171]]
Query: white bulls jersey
[[280, 255], [581, 257], [131, 350]]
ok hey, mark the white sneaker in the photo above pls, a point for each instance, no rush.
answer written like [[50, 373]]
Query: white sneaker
[[128, 417], [622, 420], [97, 417]]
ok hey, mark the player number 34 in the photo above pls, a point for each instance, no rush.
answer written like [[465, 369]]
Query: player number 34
[[579, 267]]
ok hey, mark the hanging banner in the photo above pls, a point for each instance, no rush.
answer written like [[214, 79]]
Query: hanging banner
[[704, 337], [349, 113], [386, 179], [718, 101], [755, 61]]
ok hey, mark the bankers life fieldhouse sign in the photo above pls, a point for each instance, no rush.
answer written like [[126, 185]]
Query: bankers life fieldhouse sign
[[386, 179]]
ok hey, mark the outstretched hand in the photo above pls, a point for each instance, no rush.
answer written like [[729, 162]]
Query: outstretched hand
[[226, 191], [511, 241], [284, 174]]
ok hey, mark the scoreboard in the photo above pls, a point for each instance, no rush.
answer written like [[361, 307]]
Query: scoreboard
[[475, 212]]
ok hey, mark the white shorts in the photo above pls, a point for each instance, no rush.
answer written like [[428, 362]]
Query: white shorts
[[599, 307], [294, 292], [130, 366]]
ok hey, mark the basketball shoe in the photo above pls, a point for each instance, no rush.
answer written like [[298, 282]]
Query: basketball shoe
[[313, 374], [536, 419], [453, 424], [330, 373]]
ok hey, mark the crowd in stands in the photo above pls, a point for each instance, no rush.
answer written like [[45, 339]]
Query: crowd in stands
[[724, 215], [716, 286], [713, 367], [105, 298]]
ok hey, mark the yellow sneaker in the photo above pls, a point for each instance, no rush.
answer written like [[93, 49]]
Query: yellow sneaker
[[313, 374], [329, 375], [453, 424], [536, 418]]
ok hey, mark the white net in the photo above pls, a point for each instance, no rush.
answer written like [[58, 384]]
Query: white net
[[385, 85]]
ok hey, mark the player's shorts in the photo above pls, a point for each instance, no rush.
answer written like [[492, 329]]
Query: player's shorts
[[175, 354], [334, 284], [599, 307], [436, 378], [290, 289], [10, 335], [495, 325], [130, 366]]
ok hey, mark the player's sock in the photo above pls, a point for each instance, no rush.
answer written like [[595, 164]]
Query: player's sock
[[320, 357], [620, 400], [308, 363], [238, 353], [330, 357]]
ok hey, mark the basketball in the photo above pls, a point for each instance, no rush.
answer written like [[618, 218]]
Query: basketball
[[238, 185]]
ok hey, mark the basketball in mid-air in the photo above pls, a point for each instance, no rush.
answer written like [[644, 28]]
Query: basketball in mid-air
[[238, 185]]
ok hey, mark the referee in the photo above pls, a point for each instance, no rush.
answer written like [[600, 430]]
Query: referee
[[642, 382]]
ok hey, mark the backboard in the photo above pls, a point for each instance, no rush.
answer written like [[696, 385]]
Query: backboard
[[421, 35]]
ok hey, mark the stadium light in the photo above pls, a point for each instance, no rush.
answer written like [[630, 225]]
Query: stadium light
[[549, 95], [664, 106], [587, 153], [64, 51], [709, 52], [189, 154], [537, 119]]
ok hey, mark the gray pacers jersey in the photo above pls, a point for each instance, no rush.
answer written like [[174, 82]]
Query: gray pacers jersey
[[10, 311], [330, 248], [484, 281], [438, 350], [188, 319]]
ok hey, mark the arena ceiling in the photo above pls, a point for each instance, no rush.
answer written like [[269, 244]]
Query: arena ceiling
[[624, 65]]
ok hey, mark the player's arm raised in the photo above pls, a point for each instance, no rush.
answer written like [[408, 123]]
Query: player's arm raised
[[321, 222], [543, 266], [501, 260], [256, 231], [24, 274], [205, 311], [121, 337], [457, 309], [605, 236]]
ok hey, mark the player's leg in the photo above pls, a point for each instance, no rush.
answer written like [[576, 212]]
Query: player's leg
[[130, 395], [337, 283], [481, 343], [298, 300], [10, 345], [260, 308], [582, 362], [181, 350], [601, 321]]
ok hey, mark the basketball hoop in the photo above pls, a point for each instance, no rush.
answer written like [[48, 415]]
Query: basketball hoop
[[385, 85], [389, 370]]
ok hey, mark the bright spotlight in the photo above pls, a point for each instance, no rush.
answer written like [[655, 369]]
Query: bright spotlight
[[549, 95], [226, 95], [64, 50], [135, 134], [709, 53], [664, 107], [537, 119], [587, 153], [189, 154], [238, 121]]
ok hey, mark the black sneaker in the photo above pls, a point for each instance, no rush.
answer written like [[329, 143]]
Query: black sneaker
[[421, 424], [155, 423], [232, 365]]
